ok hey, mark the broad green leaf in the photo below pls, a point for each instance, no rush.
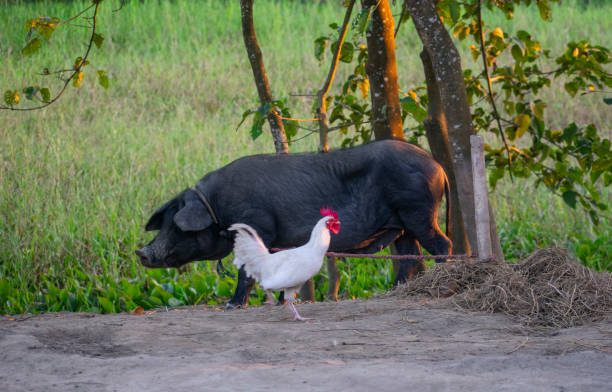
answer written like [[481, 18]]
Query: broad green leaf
[[31, 47], [346, 53], [264, 109], [257, 128], [455, 11], [45, 94], [11, 97], [46, 30], [538, 110], [570, 198], [571, 88], [569, 132], [522, 122], [98, 40], [30, 92], [415, 110], [517, 52]]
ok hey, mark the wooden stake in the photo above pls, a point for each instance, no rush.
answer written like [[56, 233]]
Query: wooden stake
[[481, 199]]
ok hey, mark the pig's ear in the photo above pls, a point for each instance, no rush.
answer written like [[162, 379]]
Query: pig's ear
[[157, 219], [193, 217]]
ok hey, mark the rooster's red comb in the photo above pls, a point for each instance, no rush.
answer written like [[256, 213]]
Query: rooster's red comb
[[327, 211]]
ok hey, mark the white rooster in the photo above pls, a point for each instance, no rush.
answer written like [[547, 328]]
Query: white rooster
[[286, 270]]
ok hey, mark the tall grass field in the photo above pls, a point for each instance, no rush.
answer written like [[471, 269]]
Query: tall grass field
[[79, 179]]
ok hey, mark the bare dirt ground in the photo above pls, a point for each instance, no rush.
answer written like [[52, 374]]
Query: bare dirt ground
[[371, 345]]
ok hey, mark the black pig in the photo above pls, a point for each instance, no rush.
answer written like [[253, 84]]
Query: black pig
[[383, 191]]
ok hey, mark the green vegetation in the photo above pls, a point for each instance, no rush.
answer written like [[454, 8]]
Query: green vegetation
[[80, 179]]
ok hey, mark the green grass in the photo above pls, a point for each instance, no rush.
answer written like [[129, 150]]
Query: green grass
[[80, 178]]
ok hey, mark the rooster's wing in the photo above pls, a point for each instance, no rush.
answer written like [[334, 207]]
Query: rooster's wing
[[249, 250]]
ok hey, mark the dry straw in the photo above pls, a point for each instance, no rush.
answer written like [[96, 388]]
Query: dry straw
[[547, 289]]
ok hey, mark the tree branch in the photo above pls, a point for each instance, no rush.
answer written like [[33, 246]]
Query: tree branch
[[486, 70], [259, 74], [322, 94], [77, 69]]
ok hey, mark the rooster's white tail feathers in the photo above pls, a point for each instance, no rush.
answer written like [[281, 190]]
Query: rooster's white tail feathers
[[249, 249]]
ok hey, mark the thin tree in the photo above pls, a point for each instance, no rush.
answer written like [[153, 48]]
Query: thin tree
[[261, 79], [381, 69], [450, 113]]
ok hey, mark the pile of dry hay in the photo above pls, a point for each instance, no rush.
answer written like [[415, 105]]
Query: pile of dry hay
[[547, 289]]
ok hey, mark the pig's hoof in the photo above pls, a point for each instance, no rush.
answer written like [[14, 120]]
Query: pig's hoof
[[231, 306]]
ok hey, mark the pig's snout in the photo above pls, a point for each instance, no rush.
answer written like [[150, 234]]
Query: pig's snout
[[145, 257]]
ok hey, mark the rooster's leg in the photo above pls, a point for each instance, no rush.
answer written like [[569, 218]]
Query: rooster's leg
[[269, 298], [296, 315]]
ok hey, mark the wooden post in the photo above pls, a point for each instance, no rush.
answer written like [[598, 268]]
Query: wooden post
[[481, 199], [333, 279]]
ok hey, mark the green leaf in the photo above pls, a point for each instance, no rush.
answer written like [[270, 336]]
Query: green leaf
[[608, 101], [544, 8], [570, 198], [362, 20], [475, 52], [30, 92], [522, 122], [517, 53], [46, 30], [106, 305], [103, 78], [455, 11], [346, 53], [538, 110], [412, 107], [264, 109], [11, 97], [246, 114], [571, 88], [45, 94], [257, 128], [98, 40], [31, 47], [569, 132], [320, 45]]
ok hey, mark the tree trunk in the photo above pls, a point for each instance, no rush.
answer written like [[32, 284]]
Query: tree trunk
[[446, 65], [381, 69], [259, 74], [437, 136], [448, 75]]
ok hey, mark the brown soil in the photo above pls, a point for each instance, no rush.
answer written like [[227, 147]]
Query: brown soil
[[382, 344]]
